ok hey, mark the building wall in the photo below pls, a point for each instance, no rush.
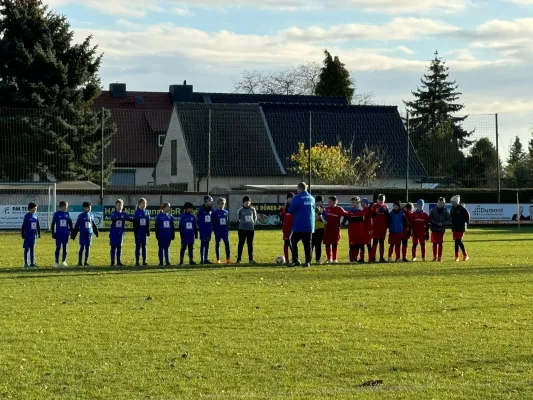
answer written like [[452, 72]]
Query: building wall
[[185, 170]]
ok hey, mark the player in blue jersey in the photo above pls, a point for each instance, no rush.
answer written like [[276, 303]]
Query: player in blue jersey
[[116, 234], [141, 230], [61, 231], [165, 233], [205, 227], [220, 219], [86, 226], [188, 232], [31, 230]]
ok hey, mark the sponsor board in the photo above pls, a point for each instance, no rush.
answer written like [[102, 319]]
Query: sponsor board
[[12, 216]]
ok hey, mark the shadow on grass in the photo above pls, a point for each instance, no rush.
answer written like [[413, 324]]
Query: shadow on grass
[[365, 271]]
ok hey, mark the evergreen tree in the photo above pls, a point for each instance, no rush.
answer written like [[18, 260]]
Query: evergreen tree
[[530, 146], [432, 123], [49, 84], [483, 164], [334, 79], [516, 153]]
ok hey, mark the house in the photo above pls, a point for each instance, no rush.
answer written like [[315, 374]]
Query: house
[[182, 138]]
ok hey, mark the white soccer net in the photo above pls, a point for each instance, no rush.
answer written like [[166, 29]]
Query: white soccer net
[[14, 200]]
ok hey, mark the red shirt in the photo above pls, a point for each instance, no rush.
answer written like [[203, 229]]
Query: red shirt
[[333, 218], [368, 219], [356, 229], [380, 219], [408, 223], [286, 218], [420, 220]]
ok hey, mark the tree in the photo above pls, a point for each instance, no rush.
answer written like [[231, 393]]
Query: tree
[[334, 79], [337, 165], [52, 82], [483, 164], [432, 115], [516, 153]]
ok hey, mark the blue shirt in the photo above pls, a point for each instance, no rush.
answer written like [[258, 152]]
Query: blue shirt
[[303, 209], [204, 222], [61, 224], [30, 227], [396, 222], [220, 222], [188, 228], [141, 223], [85, 223], [164, 227], [118, 223]]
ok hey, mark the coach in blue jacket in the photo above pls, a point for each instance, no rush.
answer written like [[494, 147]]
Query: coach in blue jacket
[[303, 226]]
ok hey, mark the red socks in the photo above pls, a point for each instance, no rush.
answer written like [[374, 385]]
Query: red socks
[[335, 252], [391, 249], [404, 251], [423, 249], [286, 252], [440, 251], [328, 252], [381, 249]]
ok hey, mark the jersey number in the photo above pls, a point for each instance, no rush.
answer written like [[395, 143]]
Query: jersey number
[[188, 225], [166, 224], [88, 225], [247, 218], [34, 226], [119, 224], [143, 222], [63, 223], [208, 218], [222, 221]]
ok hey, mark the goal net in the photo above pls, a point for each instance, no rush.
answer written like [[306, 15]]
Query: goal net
[[14, 200]]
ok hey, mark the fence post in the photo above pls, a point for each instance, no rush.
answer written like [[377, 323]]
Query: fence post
[[310, 146], [498, 159], [102, 159], [209, 154], [407, 161]]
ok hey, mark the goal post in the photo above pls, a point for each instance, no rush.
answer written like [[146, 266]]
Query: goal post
[[14, 200]]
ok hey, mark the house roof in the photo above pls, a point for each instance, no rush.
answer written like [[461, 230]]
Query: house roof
[[139, 117], [237, 98], [356, 126], [240, 145]]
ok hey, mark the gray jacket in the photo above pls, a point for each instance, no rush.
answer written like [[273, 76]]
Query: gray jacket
[[436, 217], [247, 218]]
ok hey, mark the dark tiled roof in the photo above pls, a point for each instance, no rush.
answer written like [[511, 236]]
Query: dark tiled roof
[[237, 98], [352, 125], [240, 145], [140, 118]]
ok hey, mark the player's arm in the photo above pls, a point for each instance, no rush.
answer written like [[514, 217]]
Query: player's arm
[[53, 227], [95, 228], [38, 228], [196, 231], [173, 227], [156, 228], [69, 224], [467, 216], [254, 215], [136, 224], [76, 228], [23, 229]]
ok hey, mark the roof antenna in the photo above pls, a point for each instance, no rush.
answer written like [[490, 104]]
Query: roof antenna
[[184, 83]]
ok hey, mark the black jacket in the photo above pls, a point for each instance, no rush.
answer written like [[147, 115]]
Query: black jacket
[[460, 218]]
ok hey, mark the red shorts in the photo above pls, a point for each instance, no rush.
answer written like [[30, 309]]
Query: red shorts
[[331, 237], [395, 238], [380, 234], [437, 237], [458, 235], [420, 239], [286, 235]]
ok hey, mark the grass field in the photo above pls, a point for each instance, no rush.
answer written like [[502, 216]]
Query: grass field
[[425, 330]]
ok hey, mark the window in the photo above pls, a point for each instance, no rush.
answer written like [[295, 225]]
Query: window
[[160, 140], [174, 157], [123, 177]]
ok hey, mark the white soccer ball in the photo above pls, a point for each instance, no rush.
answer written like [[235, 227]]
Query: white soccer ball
[[280, 260]]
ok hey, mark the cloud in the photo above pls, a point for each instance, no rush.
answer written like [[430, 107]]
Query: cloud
[[128, 8], [396, 29], [521, 2], [183, 11]]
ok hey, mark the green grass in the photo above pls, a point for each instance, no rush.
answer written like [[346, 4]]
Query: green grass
[[428, 331]]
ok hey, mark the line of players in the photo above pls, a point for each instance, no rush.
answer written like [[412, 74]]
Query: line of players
[[368, 224], [190, 227]]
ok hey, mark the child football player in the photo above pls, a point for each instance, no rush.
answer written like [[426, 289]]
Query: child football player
[[31, 231], [116, 233], [380, 222], [247, 218], [367, 234], [420, 229], [332, 230], [397, 222], [188, 228], [221, 229], [165, 233], [407, 229], [286, 220], [318, 235], [356, 231], [205, 225], [141, 230], [439, 217], [87, 228], [460, 220], [61, 230]]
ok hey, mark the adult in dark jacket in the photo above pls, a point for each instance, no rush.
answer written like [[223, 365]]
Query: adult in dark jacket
[[460, 220], [439, 218], [303, 226]]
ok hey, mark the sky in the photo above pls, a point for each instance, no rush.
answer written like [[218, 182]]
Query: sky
[[385, 44]]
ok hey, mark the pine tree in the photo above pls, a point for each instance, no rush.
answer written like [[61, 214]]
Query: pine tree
[[530, 146], [334, 79], [431, 115], [516, 153], [49, 84]]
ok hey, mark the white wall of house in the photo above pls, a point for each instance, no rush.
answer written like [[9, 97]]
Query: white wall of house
[[184, 168], [143, 176]]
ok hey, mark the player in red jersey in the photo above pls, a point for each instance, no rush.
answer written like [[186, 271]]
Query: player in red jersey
[[420, 229], [367, 234], [407, 230], [286, 220], [380, 223], [332, 231], [356, 231]]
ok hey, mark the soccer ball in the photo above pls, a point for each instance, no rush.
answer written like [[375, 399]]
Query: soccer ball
[[280, 260]]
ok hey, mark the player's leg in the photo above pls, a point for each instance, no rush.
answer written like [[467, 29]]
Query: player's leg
[[58, 251], [143, 250], [87, 253], [423, 249], [294, 238], [240, 246], [228, 249], [137, 252], [250, 243], [414, 249], [397, 251], [119, 255], [286, 247], [191, 253], [166, 251], [182, 252], [218, 239], [207, 244], [80, 255], [112, 254], [307, 239], [405, 246], [160, 252], [382, 249], [65, 251], [456, 250], [335, 252]]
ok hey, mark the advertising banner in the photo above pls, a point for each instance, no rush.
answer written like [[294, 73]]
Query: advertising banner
[[12, 216]]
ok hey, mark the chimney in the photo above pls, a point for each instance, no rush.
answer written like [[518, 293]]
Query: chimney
[[118, 90], [181, 93]]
